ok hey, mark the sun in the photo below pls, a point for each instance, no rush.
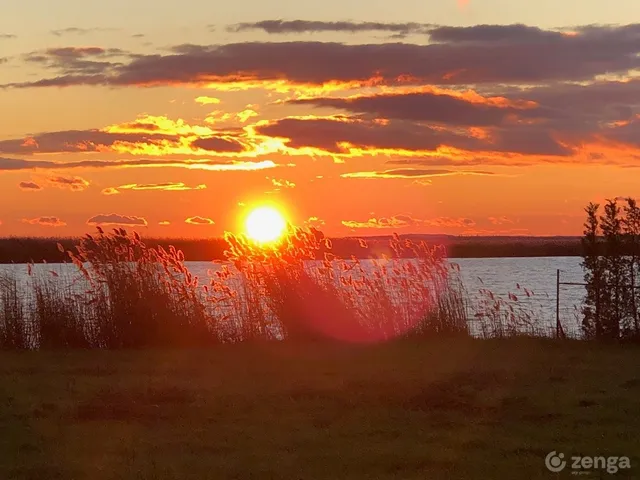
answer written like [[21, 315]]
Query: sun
[[265, 224]]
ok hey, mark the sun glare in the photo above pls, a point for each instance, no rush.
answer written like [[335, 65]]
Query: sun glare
[[265, 224]]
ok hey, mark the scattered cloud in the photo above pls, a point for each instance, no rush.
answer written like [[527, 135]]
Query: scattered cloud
[[309, 26], [448, 222], [435, 106], [110, 191], [199, 221], [234, 166], [45, 221], [29, 186], [115, 219], [281, 183], [208, 100], [500, 220], [75, 184], [514, 126], [218, 144], [520, 33], [82, 141], [246, 114], [167, 187], [79, 31], [164, 223], [86, 61], [148, 135], [314, 222], [342, 135], [412, 173], [459, 101], [7, 36], [349, 136], [15, 164]]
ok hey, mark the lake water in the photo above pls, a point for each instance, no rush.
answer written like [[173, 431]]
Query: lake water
[[499, 275], [538, 275]]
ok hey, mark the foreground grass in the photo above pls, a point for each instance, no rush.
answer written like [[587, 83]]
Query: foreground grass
[[438, 409]]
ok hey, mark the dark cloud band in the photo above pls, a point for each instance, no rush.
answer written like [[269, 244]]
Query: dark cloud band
[[476, 55], [310, 26]]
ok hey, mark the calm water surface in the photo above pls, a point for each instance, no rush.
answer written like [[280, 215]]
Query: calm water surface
[[538, 274], [500, 275]]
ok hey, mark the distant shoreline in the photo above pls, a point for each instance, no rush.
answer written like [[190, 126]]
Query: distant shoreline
[[37, 250]]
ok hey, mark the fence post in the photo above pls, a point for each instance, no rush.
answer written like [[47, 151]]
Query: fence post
[[558, 304]]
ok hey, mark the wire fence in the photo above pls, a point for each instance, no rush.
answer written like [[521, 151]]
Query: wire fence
[[561, 331]]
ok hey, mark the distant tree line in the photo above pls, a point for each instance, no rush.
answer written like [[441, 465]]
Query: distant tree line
[[36, 250], [611, 262]]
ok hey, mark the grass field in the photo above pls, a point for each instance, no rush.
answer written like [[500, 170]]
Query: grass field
[[431, 409]]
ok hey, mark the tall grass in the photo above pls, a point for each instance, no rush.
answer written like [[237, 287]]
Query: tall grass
[[499, 316], [124, 295], [309, 293], [13, 327], [59, 315], [143, 296], [129, 295]]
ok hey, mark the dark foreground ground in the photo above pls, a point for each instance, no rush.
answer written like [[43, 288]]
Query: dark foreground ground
[[440, 409]]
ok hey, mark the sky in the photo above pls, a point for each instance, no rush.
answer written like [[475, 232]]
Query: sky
[[477, 117]]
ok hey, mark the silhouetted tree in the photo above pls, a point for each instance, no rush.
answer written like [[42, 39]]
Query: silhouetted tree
[[631, 229], [611, 263], [593, 274], [614, 304]]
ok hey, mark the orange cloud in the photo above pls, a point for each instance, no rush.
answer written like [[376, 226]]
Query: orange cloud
[[412, 173], [217, 116], [45, 221], [510, 129], [197, 220], [115, 219], [30, 142], [298, 89], [159, 125], [233, 167], [75, 184], [246, 114], [500, 220], [167, 187], [164, 223], [347, 137], [429, 103], [207, 100], [15, 164], [281, 183], [449, 222], [29, 186], [314, 222]]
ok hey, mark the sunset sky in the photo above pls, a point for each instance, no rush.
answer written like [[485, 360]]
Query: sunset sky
[[474, 117]]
